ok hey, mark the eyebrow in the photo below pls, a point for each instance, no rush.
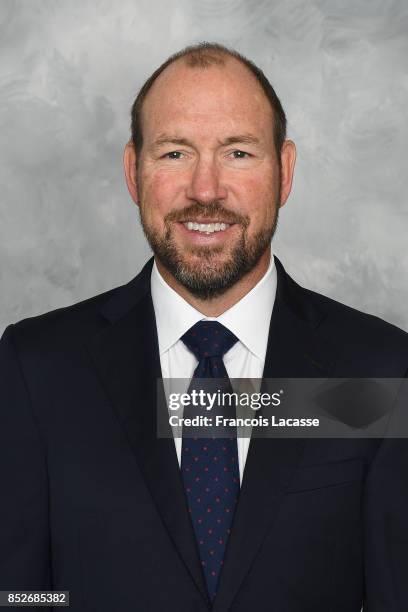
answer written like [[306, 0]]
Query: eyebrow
[[164, 139], [244, 138]]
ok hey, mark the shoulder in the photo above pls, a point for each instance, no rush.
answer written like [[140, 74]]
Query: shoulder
[[355, 320], [84, 319], [63, 326], [356, 337], [362, 336]]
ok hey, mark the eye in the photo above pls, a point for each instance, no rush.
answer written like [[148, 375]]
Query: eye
[[173, 155], [238, 154]]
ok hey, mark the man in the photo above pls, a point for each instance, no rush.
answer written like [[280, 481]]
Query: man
[[94, 502]]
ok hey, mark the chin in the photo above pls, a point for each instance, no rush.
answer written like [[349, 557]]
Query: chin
[[207, 271]]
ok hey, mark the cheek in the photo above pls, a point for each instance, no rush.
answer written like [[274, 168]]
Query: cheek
[[159, 187], [158, 193], [259, 197]]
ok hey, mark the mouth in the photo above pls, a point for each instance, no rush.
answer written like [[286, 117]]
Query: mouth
[[207, 228]]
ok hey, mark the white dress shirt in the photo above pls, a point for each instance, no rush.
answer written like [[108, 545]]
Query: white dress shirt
[[248, 319]]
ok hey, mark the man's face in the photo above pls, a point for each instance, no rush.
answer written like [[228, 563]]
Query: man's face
[[208, 177]]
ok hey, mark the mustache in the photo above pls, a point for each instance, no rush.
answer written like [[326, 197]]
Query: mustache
[[205, 211]]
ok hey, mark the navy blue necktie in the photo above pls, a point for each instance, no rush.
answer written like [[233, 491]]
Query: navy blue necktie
[[209, 466]]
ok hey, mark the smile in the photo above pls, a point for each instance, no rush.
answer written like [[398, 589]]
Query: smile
[[206, 228]]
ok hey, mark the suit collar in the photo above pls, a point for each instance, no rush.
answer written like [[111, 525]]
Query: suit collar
[[128, 296], [296, 318], [296, 347], [297, 299]]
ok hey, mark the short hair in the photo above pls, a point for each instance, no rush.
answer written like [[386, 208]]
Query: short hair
[[203, 55]]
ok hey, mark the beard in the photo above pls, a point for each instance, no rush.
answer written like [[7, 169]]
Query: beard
[[202, 270]]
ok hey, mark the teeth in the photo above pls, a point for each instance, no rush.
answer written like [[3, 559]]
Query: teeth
[[207, 228]]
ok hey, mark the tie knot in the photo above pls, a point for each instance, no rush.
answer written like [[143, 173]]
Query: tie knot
[[209, 339]]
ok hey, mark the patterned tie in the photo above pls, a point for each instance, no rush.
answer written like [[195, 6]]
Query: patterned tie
[[209, 466]]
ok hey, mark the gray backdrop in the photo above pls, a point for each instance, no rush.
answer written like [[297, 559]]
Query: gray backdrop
[[69, 73]]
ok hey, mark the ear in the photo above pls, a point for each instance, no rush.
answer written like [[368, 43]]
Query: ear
[[288, 159], [129, 163]]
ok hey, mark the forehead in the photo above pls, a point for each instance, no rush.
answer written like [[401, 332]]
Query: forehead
[[217, 98]]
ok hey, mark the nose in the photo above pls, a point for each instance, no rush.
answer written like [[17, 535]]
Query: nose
[[205, 182]]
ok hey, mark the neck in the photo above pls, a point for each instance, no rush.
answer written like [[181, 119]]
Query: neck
[[214, 307]]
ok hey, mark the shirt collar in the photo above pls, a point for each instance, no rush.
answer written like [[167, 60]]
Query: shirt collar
[[248, 319]]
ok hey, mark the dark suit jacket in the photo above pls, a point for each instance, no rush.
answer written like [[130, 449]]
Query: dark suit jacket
[[92, 502]]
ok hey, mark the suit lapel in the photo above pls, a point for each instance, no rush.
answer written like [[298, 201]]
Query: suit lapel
[[293, 350], [126, 356]]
